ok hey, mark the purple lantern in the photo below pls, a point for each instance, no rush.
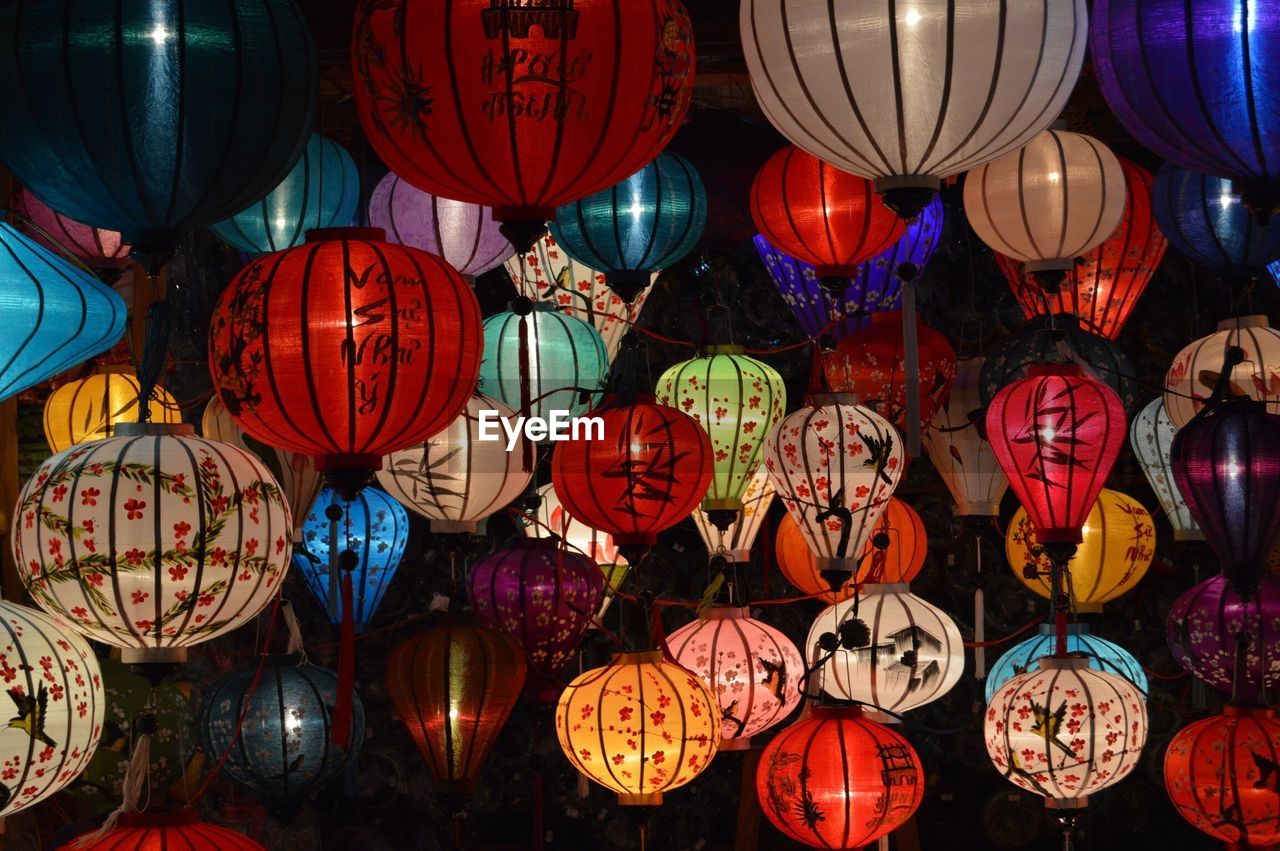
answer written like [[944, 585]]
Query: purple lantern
[[876, 286], [463, 234], [1209, 622], [1226, 463], [544, 597]]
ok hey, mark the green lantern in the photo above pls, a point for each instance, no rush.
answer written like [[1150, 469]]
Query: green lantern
[[738, 400]]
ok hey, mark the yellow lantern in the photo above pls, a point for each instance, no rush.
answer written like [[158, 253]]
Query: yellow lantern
[[90, 408], [639, 726], [1119, 544]]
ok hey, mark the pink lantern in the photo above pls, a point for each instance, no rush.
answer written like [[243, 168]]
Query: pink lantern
[[98, 248]]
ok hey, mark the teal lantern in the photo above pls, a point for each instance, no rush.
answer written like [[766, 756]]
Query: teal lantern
[[373, 526], [1103, 655], [638, 226], [320, 191], [56, 315]]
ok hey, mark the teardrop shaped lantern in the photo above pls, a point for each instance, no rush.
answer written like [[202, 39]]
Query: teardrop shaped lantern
[[1026, 656], [957, 445], [165, 829], [96, 247], [1229, 636], [1151, 438], [89, 408], [1191, 378], [1208, 222], [735, 542]]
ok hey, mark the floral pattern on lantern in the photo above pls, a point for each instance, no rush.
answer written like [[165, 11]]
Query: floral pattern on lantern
[[1151, 438], [1211, 622], [735, 542], [86, 409], [550, 518], [1103, 655], [1189, 382], [959, 450]]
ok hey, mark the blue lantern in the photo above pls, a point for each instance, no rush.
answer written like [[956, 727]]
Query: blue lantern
[[1205, 220], [56, 315], [373, 526], [1103, 656], [321, 191], [638, 226], [284, 752]]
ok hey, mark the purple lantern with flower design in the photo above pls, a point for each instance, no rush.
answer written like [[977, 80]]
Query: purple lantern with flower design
[[1222, 632]]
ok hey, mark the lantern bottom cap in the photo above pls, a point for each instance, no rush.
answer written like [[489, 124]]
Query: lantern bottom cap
[[978, 509], [725, 504], [873, 714], [1089, 608], [1066, 803], [454, 527], [640, 799], [153, 655], [1050, 264], [153, 430], [736, 744]]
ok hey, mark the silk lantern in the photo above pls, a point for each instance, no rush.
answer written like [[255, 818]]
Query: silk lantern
[[203, 112], [322, 190], [735, 542], [799, 566], [1017, 62], [515, 135], [374, 527], [640, 726], [641, 225], [465, 235], [1226, 635], [1194, 372], [1206, 220], [97, 248], [837, 779], [453, 687], [455, 479], [1117, 547], [345, 348], [89, 408], [550, 519], [959, 449], [737, 400], [164, 829], [1217, 772], [1056, 434], [1103, 655], [1151, 438], [58, 315], [152, 540]]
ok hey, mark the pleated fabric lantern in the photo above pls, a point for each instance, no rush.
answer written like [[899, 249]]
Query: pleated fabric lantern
[[821, 215], [905, 546], [374, 527], [1104, 285], [799, 565], [905, 651], [737, 400], [162, 830], [958, 447], [735, 542], [89, 408], [543, 596], [56, 699], [152, 540], [545, 273], [96, 247], [1103, 655], [282, 753], [133, 150], [1190, 381], [648, 472], [1218, 771], [465, 235], [1229, 636], [1019, 60], [1117, 547], [1056, 434], [455, 479], [322, 190], [384, 339], [453, 686], [512, 137], [550, 519], [1066, 731], [1206, 220], [640, 726], [639, 226], [751, 668], [837, 779], [538, 360], [58, 315], [1151, 438]]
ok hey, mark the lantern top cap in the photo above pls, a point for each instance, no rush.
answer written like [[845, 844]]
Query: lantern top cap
[[1251, 321], [837, 712], [335, 234], [1072, 629], [1231, 710], [637, 657], [725, 349], [1041, 370], [113, 369], [886, 588], [154, 429], [1070, 662], [819, 400], [728, 613]]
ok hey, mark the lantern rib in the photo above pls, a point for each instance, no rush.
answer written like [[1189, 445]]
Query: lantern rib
[[304, 308], [842, 743], [463, 128], [201, 530], [1206, 115]]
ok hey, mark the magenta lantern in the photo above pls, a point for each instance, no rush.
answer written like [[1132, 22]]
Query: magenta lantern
[[1224, 633]]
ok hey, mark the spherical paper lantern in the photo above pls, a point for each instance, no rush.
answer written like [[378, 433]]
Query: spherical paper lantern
[[550, 518], [1217, 772], [164, 829], [555, 102], [345, 348], [1066, 731], [282, 752], [735, 542], [1151, 438], [86, 409], [154, 119], [96, 247], [1103, 655], [453, 686], [1212, 621], [836, 779], [1118, 545], [800, 567], [959, 450], [640, 726], [1056, 434], [465, 235], [455, 479], [152, 540], [1205, 220], [872, 89], [1191, 377], [636, 227], [322, 190], [751, 667]]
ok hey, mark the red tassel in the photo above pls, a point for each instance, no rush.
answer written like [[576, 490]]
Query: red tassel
[[340, 733]]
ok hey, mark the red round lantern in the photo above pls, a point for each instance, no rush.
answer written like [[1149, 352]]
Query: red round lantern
[[345, 348], [157, 829], [1056, 434], [821, 215], [648, 472], [835, 779], [521, 106]]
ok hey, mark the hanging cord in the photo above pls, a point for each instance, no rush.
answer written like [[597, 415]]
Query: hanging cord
[[907, 273], [136, 777], [295, 646], [155, 350]]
